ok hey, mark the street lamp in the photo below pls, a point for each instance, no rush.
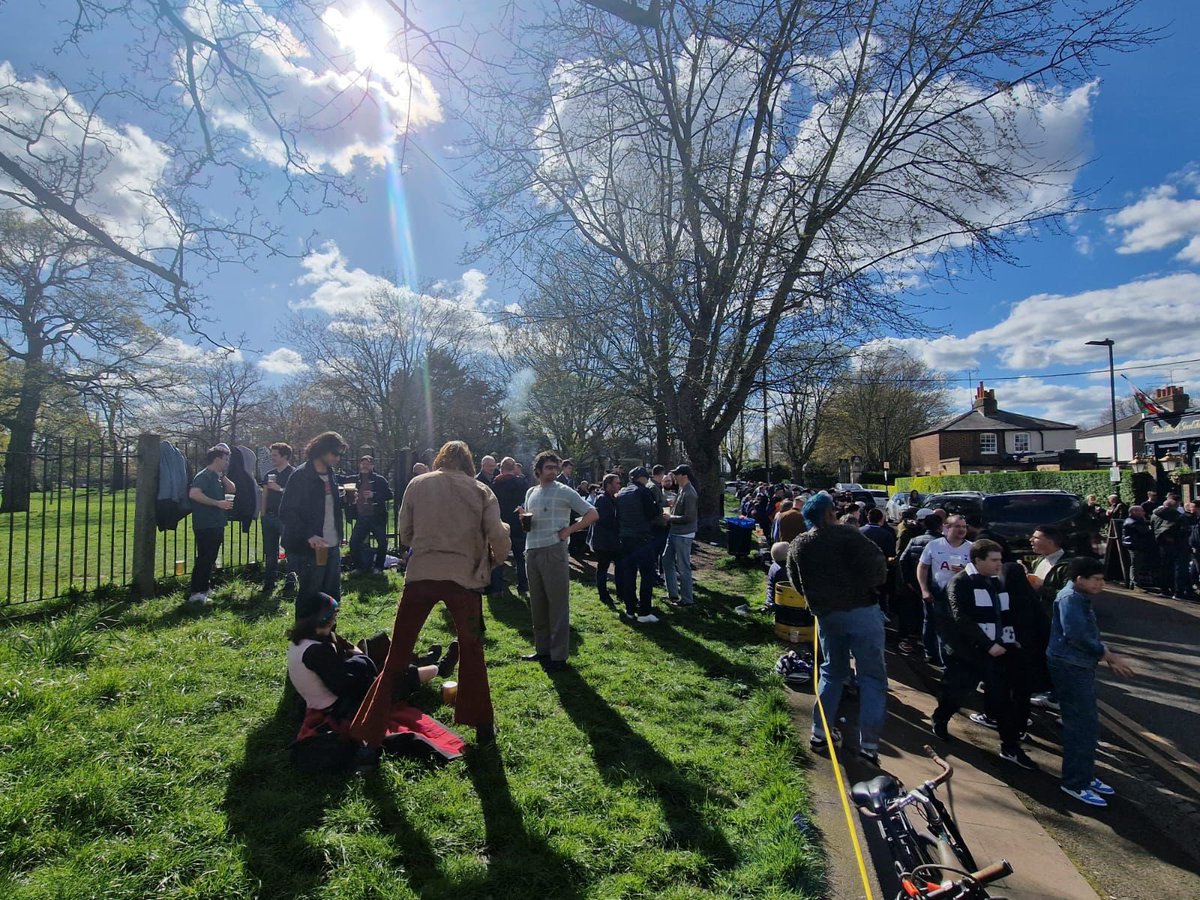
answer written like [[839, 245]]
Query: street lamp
[[1114, 474]]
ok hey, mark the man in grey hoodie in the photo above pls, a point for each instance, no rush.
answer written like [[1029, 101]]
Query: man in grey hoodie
[[677, 556], [838, 570]]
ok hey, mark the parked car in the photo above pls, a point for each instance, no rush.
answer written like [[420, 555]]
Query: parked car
[[1010, 518], [880, 498], [843, 486]]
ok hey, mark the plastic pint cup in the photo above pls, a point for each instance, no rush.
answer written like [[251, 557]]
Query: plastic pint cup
[[179, 567], [322, 555], [449, 692]]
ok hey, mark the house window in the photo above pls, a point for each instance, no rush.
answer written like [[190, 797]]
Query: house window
[[1021, 442], [987, 443]]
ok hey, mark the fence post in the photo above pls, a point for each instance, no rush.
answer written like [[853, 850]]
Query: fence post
[[144, 533]]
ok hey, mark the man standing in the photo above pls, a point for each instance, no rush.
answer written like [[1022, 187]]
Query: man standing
[[941, 560], [566, 473], [637, 512], [487, 470], [209, 505], [1150, 504], [838, 571], [311, 514], [419, 468], [510, 489], [549, 504], [989, 636], [606, 535], [1171, 528], [677, 557], [371, 518], [1048, 577], [273, 487], [1138, 540]]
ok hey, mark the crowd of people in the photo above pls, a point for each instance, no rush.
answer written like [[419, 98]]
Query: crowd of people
[[457, 526], [1026, 632]]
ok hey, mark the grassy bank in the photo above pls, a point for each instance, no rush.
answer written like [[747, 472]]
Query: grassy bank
[[145, 756]]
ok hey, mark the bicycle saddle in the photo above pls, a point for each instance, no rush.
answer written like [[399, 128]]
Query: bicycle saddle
[[876, 793]]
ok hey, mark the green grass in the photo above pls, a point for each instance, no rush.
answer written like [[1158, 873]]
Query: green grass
[[144, 755]]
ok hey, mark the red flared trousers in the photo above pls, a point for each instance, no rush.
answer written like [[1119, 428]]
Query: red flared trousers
[[474, 704]]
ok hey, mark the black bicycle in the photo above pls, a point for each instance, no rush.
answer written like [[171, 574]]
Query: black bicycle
[[932, 861]]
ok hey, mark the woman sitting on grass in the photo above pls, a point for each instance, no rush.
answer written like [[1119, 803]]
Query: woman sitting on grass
[[332, 676]]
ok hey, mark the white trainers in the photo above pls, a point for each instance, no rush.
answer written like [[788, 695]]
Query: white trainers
[[1044, 701], [1101, 788], [1087, 795], [648, 619]]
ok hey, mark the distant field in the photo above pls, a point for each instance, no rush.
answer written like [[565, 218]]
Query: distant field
[[78, 539]]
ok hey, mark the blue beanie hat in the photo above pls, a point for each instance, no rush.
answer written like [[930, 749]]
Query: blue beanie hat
[[814, 508]]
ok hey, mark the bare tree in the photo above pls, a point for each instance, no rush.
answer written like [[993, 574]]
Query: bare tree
[[71, 322], [877, 403], [376, 360], [745, 164], [221, 400], [811, 374]]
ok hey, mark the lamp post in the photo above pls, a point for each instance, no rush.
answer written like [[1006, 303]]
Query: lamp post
[[1114, 474]]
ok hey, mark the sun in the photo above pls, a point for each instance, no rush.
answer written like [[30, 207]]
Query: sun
[[362, 32]]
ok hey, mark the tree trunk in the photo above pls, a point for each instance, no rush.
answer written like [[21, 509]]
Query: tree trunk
[[704, 456], [18, 459]]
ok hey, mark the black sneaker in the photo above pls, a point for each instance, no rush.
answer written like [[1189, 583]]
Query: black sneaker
[[1020, 757], [940, 729], [871, 756]]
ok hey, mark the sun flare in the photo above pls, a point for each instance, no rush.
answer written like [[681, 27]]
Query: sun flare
[[362, 32]]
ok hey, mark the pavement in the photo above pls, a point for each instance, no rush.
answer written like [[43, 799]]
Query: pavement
[[1142, 846]]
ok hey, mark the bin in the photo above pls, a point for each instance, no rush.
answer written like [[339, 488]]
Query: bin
[[793, 620], [741, 535]]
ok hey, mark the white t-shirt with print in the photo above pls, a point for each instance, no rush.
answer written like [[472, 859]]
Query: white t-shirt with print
[[945, 561]]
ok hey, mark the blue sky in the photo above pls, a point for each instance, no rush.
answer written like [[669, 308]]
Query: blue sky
[[1129, 270]]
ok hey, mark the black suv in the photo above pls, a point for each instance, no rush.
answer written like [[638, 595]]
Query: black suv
[[1010, 518]]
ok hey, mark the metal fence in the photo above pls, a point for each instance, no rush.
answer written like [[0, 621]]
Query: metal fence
[[77, 531]]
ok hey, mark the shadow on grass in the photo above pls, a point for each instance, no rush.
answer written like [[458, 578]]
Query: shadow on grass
[[509, 609], [269, 806], [622, 755]]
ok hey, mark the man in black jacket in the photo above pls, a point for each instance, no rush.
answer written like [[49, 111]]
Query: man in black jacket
[[839, 571], [606, 536], [1138, 540], [637, 511], [273, 487], [1171, 528], [510, 489], [987, 633], [311, 515], [371, 495]]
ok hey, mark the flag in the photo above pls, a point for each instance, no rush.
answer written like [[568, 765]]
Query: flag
[[1149, 407]]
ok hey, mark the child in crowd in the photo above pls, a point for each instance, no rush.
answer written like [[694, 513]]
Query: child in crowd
[[1074, 651]]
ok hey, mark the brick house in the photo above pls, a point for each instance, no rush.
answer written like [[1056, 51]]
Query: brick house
[[989, 439]]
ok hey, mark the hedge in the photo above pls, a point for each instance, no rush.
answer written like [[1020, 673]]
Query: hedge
[[1078, 482]]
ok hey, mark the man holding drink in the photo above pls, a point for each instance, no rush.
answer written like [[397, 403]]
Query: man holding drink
[[371, 494], [546, 519], [209, 505], [273, 487], [311, 515]]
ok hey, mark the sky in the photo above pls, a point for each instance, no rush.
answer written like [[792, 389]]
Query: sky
[[1127, 268]]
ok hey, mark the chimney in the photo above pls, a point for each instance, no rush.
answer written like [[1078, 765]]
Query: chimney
[[985, 401], [1171, 398]]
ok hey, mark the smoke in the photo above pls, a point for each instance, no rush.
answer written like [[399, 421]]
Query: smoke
[[516, 398]]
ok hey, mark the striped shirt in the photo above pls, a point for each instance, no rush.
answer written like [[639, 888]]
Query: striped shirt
[[551, 507]]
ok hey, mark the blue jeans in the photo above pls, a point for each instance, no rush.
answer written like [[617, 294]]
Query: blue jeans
[[856, 633], [677, 568], [929, 635], [364, 555], [1076, 690], [314, 579]]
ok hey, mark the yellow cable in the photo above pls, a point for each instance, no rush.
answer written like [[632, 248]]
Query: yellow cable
[[837, 769]]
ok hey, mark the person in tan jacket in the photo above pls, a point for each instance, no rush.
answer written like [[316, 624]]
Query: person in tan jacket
[[452, 524]]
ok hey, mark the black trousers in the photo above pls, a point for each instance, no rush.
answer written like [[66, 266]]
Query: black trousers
[[1006, 686], [605, 559], [208, 545], [637, 558]]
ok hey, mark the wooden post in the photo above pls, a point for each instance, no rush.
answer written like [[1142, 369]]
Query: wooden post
[[144, 528]]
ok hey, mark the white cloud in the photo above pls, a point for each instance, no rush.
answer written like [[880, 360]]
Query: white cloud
[[1166, 215], [283, 361], [336, 289], [353, 103], [45, 129]]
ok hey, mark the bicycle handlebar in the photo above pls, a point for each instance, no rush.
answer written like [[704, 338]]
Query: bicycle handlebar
[[947, 769], [986, 875]]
